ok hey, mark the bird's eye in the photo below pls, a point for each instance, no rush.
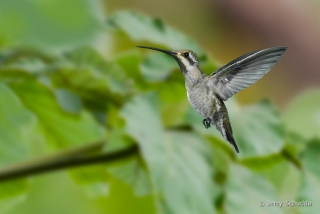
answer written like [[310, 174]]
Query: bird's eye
[[186, 54]]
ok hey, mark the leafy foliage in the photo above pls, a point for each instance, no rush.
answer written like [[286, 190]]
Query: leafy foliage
[[255, 188], [135, 25], [171, 157], [303, 115], [52, 101], [28, 24]]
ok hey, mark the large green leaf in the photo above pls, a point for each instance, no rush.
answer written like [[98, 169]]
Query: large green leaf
[[68, 101], [123, 200], [281, 176], [93, 179], [303, 115], [16, 123], [190, 168], [311, 158], [140, 27], [38, 22], [7, 204], [178, 162], [310, 192], [130, 61], [95, 73], [25, 64], [257, 129], [174, 103], [61, 128], [157, 67], [133, 174], [295, 145], [68, 198], [26, 58], [64, 129], [16, 129], [310, 188], [245, 190]]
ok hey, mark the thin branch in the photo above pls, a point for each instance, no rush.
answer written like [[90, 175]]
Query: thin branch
[[67, 159]]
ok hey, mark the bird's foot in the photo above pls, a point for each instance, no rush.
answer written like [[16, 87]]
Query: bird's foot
[[206, 122]]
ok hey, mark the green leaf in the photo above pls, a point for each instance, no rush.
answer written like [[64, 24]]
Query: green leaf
[[191, 169], [260, 163], [311, 158], [303, 115], [133, 174], [222, 156], [17, 125], [95, 73], [68, 101], [173, 103], [157, 67], [38, 23], [13, 188], [61, 128], [6, 204], [30, 60], [258, 129], [178, 161], [89, 174], [93, 179], [22, 64], [130, 62], [11, 74], [112, 73], [310, 192], [295, 145], [245, 190], [140, 27], [123, 200], [65, 195], [281, 176]]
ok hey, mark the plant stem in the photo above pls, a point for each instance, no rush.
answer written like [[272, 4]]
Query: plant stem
[[67, 159]]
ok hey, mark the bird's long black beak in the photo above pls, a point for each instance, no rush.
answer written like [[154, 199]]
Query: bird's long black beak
[[171, 53]]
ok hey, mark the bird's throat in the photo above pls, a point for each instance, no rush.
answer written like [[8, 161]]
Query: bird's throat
[[193, 74]]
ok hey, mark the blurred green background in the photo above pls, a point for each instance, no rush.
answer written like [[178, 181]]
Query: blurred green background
[[71, 77]]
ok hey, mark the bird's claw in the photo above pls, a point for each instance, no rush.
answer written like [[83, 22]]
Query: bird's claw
[[206, 122]]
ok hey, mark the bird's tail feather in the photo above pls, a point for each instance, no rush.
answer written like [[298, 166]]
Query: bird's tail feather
[[230, 137], [224, 127]]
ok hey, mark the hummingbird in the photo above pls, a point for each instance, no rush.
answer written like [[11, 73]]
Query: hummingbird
[[207, 93]]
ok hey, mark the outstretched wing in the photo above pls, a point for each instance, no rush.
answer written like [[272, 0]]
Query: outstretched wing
[[243, 71]]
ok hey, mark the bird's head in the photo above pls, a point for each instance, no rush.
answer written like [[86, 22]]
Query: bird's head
[[186, 59]]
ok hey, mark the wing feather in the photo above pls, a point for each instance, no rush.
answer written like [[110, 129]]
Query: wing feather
[[243, 71]]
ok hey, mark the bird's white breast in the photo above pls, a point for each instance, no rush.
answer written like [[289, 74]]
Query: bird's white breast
[[201, 100]]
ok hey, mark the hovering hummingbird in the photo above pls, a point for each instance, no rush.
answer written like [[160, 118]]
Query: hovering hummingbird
[[207, 93]]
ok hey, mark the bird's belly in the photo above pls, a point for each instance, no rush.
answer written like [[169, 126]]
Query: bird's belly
[[202, 102]]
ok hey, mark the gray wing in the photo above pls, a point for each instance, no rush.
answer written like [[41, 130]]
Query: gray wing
[[243, 71]]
